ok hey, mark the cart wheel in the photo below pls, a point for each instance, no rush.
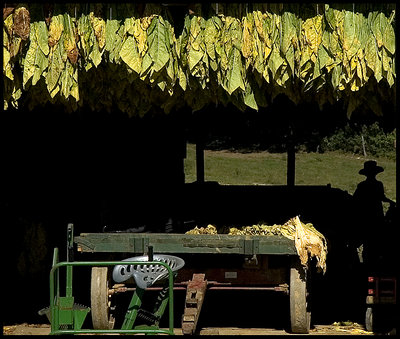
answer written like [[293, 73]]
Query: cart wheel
[[300, 315], [102, 319], [369, 319]]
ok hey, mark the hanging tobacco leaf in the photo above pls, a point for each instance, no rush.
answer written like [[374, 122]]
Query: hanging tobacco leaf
[[22, 20], [157, 48], [130, 55], [55, 30], [70, 39]]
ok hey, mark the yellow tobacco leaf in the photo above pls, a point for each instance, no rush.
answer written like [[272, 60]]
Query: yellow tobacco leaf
[[56, 28], [258, 22], [385, 60], [146, 21], [140, 37], [6, 65], [312, 32], [99, 26], [267, 51], [359, 71], [247, 38], [355, 84], [353, 62], [8, 24]]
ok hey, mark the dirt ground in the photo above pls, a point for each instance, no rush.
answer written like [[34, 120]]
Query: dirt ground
[[351, 329]]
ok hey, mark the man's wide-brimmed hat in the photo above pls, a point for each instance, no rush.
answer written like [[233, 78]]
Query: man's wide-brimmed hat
[[370, 167]]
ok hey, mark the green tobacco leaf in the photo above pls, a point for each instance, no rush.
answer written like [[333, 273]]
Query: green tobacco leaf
[[378, 26], [290, 58], [112, 27], [75, 88], [41, 64], [157, 43], [211, 34], [118, 41], [194, 58], [330, 17], [249, 99], [389, 38], [323, 57], [95, 54], [350, 32], [130, 55], [42, 36], [182, 79], [66, 80], [234, 75], [275, 61], [56, 66], [336, 73], [183, 40], [288, 31], [30, 58]]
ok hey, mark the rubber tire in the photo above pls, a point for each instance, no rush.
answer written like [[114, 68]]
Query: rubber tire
[[100, 300], [300, 315]]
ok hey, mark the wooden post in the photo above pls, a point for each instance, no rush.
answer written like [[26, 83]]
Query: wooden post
[[199, 150], [291, 159], [199, 161]]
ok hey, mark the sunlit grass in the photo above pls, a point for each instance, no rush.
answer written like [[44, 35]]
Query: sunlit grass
[[262, 168]]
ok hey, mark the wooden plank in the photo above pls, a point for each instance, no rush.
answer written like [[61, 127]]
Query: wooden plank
[[195, 292], [184, 243]]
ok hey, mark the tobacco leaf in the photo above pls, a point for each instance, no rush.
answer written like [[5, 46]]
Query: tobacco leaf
[[21, 25], [6, 64], [30, 57], [55, 30], [41, 64], [129, 54], [389, 38], [234, 75], [249, 98], [69, 39], [56, 66], [275, 61], [42, 35], [288, 31], [157, 49], [99, 27], [141, 37]]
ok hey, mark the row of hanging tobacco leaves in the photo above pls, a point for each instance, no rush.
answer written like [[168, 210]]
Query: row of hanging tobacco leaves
[[128, 56]]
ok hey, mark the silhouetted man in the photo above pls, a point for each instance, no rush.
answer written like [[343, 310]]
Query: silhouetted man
[[368, 198]]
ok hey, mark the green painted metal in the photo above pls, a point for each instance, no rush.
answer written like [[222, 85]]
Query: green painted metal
[[133, 309], [67, 319], [184, 243]]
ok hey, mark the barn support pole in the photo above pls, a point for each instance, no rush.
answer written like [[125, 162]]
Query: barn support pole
[[200, 161], [291, 159], [199, 151]]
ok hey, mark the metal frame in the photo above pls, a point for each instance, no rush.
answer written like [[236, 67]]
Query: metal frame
[[55, 295]]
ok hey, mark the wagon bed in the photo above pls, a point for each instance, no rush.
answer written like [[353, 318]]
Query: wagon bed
[[184, 243]]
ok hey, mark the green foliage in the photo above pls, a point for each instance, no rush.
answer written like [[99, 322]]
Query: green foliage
[[377, 142]]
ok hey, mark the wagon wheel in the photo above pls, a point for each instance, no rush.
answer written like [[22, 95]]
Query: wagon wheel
[[100, 298], [369, 320], [300, 314]]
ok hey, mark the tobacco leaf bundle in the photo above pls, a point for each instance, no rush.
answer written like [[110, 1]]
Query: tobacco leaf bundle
[[243, 54]]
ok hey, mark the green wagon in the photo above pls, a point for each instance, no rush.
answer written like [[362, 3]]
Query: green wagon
[[211, 262]]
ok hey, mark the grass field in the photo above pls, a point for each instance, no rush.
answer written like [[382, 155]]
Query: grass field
[[262, 168]]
